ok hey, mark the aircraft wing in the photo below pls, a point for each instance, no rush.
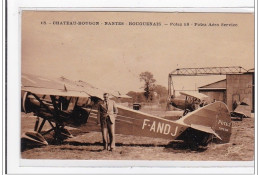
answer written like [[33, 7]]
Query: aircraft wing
[[119, 95], [29, 80], [244, 109], [194, 94], [58, 92], [60, 87], [92, 90], [84, 86], [205, 129], [63, 87]]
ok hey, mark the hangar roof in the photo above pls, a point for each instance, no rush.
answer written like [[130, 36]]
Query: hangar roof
[[218, 85]]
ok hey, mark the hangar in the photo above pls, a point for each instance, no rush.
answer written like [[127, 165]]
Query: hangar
[[238, 86], [234, 89]]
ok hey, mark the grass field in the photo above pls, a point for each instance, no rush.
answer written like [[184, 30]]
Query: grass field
[[87, 146]]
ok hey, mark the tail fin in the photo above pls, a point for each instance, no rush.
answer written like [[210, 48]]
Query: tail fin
[[213, 118]]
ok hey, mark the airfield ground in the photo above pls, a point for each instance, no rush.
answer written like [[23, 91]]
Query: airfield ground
[[87, 146]]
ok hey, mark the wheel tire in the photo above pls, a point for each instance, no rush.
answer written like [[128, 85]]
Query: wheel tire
[[196, 138]]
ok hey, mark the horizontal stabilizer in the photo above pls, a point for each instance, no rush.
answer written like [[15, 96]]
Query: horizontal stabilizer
[[215, 116], [205, 129]]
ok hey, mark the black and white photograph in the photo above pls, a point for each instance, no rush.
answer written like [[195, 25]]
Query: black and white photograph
[[137, 86], [111, 89]]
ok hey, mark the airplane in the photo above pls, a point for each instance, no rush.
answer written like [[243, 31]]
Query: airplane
[[241, 110], [63, 103], [189, 101]]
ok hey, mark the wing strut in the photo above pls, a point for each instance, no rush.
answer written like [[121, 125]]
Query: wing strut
[[50, 115]]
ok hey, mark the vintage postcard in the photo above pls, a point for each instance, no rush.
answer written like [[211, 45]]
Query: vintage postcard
[[137, 86]]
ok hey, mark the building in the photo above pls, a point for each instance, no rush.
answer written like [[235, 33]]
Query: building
[[235, 88], [216, 90]]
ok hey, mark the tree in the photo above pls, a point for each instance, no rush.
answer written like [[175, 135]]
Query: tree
[[132, 94], [161, 92], [138, 97], [149, 81]]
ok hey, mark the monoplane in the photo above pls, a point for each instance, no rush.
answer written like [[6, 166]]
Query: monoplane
[[62, 102]]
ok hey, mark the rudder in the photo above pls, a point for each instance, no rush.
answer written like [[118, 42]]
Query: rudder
[[213, 118]]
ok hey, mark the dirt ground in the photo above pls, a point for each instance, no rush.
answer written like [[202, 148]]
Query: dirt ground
[[87, 146]]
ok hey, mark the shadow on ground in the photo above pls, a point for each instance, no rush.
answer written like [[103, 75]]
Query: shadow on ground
[[170, 146]]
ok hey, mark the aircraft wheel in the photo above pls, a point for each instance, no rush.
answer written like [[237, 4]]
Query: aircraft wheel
[[192, 141], [58, 139], [80, 116], [195, 139], [25, 104], [194, 145], [23, 145], [204, 140]]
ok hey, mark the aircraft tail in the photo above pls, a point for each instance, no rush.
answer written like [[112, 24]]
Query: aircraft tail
[[213, 119]]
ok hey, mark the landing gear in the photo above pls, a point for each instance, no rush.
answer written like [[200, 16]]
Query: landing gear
[[237, 116], [195, 139], [49, 113]]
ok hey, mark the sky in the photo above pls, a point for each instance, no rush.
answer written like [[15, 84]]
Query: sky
[[113, 56]]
